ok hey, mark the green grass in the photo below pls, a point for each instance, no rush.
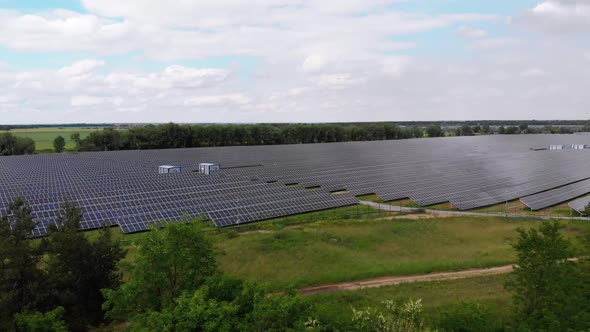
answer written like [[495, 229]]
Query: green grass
[[336, 246], [335, 309], [344, 250], [44, 137], [370, 198]]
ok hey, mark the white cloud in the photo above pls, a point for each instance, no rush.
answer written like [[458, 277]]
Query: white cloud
[[470, 32], [313, 64], [395, 65], [320, 61], [558, 16], [81, 67], [218, 100], [562, 9], [83, 100], [533, 72], [494, 43]]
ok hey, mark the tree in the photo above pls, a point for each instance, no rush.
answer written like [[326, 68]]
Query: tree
[[173, 285], [170, 260], [512, 130], [20, 277], [501, 130], [78, 268], [226, 304], [464, 131], [75, 137], [59, 143], [42, 322], [434, 131], [24, 145], [549, 291], [523, 128]]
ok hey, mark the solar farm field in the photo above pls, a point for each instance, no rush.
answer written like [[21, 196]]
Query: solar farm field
[[44, 137], [256, 183]]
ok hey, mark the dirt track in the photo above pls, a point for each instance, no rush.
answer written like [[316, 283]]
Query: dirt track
[[387, 281]]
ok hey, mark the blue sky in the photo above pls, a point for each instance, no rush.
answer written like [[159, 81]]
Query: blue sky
[[312, 60]]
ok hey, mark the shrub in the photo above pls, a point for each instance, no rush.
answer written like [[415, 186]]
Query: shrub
[[468, 317]]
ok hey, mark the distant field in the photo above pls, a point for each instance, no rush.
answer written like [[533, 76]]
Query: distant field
[[44, 137]]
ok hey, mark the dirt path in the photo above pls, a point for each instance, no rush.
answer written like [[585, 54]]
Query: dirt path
[[388, 281], [396, 280]]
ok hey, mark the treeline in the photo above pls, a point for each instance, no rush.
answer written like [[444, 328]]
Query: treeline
[[486, 129], [183, 136], [498, 123], [68, 125], [13, 145]]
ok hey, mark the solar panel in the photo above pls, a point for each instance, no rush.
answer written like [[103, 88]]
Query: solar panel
[[124, 187], [556, 196], [580, 204]]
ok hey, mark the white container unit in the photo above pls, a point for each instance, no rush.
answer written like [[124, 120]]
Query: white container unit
[[165, 169], [208, 168]]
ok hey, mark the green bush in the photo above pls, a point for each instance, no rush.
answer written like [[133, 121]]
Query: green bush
[[468, 317], [51, 321]]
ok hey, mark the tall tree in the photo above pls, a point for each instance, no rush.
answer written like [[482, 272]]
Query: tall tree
[[59, 144], [434, 131], [75, 137], [169, 261], [549, 290], [78, 268], [20, 277]]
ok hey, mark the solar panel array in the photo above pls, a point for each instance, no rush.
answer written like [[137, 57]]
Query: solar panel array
[[555, 196], [124, 188], [580, 204]]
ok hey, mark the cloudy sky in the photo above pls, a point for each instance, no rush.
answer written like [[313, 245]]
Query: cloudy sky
[[64, 61]]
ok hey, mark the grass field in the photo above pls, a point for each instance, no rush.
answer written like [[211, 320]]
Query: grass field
[[335, 309], [44, 137], [344, 250], [336, 246]]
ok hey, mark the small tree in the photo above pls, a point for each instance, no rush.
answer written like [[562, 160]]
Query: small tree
[[549, 290], [587, 210], [170, 261], [59, 144], [75, 137]]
